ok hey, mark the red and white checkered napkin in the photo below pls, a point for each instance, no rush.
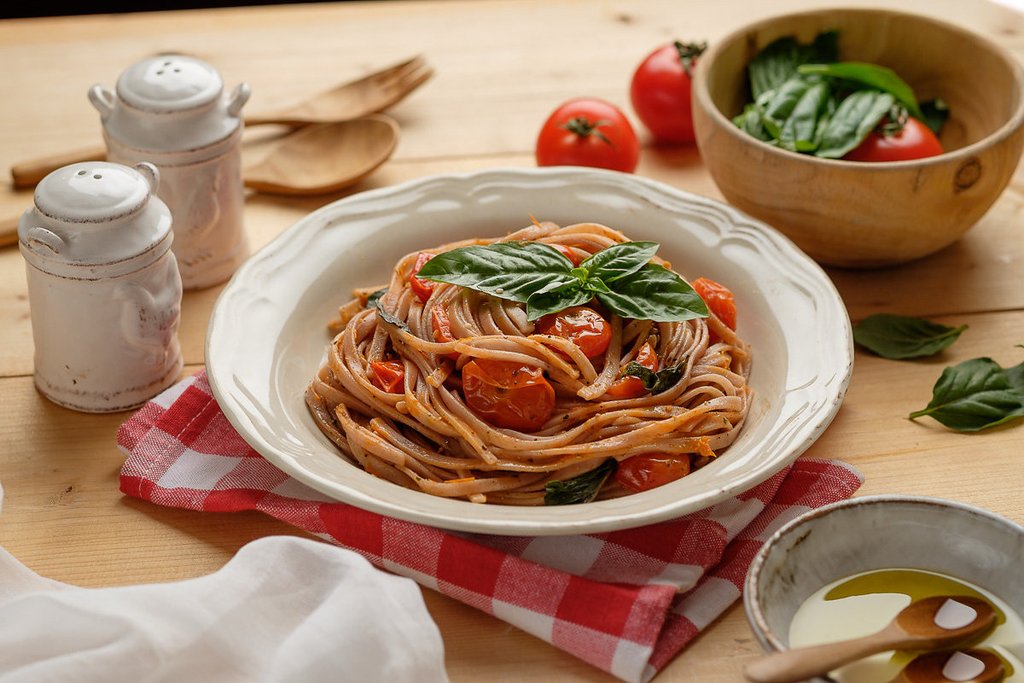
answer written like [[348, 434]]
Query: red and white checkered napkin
[[626, 601]]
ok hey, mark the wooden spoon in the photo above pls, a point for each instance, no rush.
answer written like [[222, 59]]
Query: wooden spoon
[[914, 628], [325, 157], [370, 94], [929, 668], [318, 159]]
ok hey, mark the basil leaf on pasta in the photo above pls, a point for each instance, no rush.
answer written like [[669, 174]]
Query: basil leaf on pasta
[[543, 303], [509, 270], [654, 382], [619, 260], [581, 489], [975, 395], [654, 293], [899, 337]]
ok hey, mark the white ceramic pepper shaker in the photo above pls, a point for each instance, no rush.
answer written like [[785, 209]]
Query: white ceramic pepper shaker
[[172, 111], [104, 290]]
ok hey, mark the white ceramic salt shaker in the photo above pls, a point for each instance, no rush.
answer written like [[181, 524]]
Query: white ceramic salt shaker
[[103, 284], [172, 111]]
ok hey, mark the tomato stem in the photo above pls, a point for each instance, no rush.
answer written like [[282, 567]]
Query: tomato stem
[[583, 127], [688, 53], [894, 122]]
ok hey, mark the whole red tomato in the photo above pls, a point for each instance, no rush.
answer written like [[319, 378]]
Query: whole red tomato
[[914, 140], [588, 132], [660, 91]]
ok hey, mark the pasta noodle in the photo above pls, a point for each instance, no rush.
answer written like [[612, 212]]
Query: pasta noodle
[[425, 436]]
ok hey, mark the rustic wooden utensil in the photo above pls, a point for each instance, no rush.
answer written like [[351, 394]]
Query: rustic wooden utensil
[[370, 94], [914, 628], [928, 668], [319, 159], [325, 157]]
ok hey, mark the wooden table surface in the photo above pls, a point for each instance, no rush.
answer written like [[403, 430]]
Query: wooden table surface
[[502, 66]]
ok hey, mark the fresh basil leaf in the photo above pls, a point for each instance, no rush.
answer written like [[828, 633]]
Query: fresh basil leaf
[[1015, 376], [390, 318], [751, 122], [799, 132], [654, 293], [509, 270], [975, 395], [855, 118], [871, 76], [595, 285], [778, 61], [654, 382], [371, 301], [935, 112], [619, 260], [897, 337], [553, 301], [581, 489]]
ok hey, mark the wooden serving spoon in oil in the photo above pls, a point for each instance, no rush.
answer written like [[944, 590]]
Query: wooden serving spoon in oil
[[919, 626], [959, 666]]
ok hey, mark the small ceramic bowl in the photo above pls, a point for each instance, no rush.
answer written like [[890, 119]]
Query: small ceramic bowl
[[879, 532], [863, 214]]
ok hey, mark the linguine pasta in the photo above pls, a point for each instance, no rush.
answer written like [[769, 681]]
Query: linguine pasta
[[424, 435]]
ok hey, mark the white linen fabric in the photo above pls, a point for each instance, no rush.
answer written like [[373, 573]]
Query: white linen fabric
[[283, 609]]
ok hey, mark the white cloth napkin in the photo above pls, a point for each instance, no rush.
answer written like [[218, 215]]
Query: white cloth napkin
[[283, 609]]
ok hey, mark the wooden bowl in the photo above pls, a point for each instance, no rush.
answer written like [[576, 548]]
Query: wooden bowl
[[862, 214]]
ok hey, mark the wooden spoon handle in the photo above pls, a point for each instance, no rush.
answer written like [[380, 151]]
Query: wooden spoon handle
[[28, 173], [799, 664], [9, 231]]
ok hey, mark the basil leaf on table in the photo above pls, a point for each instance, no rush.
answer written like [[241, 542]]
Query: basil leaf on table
[[654, 381], [619, 260], [581, 489], [654, 293], [854, 119], [899, 337], [778, 61], [975, 395], [870, 76], [509, 270]]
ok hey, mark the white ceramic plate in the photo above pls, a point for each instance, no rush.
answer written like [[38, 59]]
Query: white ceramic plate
[[268, 335]]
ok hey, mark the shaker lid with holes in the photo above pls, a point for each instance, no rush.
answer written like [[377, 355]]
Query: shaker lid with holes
[[169, 103], [96, 219]]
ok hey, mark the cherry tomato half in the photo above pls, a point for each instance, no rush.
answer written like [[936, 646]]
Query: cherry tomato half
[[660, 91], [588, 132], [421, 288], [631, 387], [388, 375], [650, 470], [507, 394], [583, 326], [719, 299], [443, 328], [914, 141]]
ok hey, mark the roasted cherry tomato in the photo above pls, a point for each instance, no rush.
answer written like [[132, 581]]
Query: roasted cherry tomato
[[719, 299], [421, 288], [650, 470], [588, 132], [568, 253], [443, 328], [660, 91], [388, 375], [583, 326], [914, 140], [509, 395], [631, 387]]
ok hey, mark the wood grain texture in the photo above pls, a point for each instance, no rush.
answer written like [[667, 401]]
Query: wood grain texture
[[502, 65]]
